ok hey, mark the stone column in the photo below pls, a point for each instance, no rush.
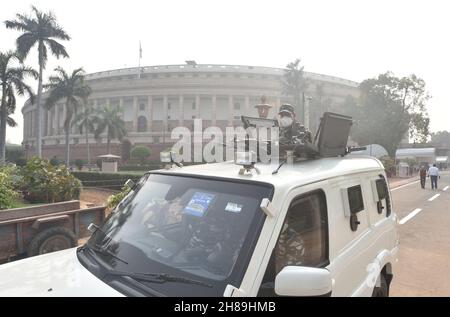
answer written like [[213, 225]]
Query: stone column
[[57, 119], [135, 113], [230, 110], [25, 125], [277, 106], [247, 105], [64, 112], [214, 110], [121, 107], [181, 112], [197, 106], [165, 113], [150, 113]]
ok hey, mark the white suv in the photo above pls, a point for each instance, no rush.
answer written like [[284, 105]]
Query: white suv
[[321, 227]]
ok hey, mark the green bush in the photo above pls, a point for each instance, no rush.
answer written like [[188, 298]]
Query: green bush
[[8, 195], [114, 200], [14, 153], [41, 182], [79, 164], [140, 153], [21, 162], [113, 181], [55, 162]]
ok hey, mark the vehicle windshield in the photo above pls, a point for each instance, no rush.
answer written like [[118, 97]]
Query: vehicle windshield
[[187, 226]]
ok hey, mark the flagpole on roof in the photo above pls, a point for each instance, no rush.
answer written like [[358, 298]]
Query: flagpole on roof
[[140, 56]]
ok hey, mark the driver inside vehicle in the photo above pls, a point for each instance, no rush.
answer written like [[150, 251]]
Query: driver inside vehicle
[[211, 243]]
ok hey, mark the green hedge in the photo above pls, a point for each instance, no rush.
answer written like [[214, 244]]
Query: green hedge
[[113, 181]]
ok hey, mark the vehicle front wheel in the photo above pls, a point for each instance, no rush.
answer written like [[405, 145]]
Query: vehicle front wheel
[[51, 240], [383, 289]]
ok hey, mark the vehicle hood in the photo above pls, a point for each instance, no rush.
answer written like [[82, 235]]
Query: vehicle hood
[[54, 274]]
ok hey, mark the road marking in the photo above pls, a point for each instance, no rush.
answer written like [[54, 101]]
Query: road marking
[[446, 187], [411, 215], [415, 182], [434, 197]]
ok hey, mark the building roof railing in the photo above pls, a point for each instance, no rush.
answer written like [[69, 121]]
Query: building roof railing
[[213, 68]]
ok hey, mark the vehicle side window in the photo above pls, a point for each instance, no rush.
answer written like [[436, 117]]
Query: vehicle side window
[[355, 199], [303, 240], [383, 194]]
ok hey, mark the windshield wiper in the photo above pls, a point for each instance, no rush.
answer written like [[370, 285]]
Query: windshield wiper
[[158, 278], [106, 252]]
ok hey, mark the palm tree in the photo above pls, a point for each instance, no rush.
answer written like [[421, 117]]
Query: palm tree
[[85, 120], [11, 108], [294, 84], [73, 90], [40, 29], [111, 121], [11, 80]]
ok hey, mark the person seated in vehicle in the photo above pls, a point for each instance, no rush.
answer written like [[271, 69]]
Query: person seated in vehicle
[[212, 243]]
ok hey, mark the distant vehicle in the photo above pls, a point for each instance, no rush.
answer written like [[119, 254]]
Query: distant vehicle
[[316, 227]]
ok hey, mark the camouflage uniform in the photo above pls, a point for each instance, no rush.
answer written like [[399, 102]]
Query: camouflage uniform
[[290, 249], [296, 133]]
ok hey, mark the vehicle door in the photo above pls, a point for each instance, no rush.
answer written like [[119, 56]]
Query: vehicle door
[[350, 240], [300, 237]]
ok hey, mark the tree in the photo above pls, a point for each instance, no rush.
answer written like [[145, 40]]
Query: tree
[[414, 97], [140, 153], [12, 80], [441, 138], [125, 150], [294, 84], [39, 29], [10, 108], [85, 120], [110, 120], [388, 107], [74, 91]]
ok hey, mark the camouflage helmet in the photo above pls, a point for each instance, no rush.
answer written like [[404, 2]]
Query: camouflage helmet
[[287, 109]]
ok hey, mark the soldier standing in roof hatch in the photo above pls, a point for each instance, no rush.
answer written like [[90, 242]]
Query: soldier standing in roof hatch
[[290, 129]]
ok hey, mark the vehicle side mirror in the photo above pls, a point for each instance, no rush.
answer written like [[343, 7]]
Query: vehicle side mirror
[[303, 281]]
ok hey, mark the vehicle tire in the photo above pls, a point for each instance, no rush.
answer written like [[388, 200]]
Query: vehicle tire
[[383, 289], [51, 240]]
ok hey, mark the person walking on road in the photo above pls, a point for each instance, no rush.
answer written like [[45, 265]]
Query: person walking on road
[[423, 176], [433, 172]]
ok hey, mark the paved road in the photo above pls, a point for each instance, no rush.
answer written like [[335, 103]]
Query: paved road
[[424, 259]]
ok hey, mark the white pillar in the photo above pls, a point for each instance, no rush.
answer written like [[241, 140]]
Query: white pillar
[[63, 131], [150, 112], [181, 112], [230, 110], [197, 106], [307, 102], [165, 112], [214, 110], [135, 113], [121, 107], [278, 105], [56, 120], [247, 105]]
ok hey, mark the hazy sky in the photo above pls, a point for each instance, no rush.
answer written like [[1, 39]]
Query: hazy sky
[[350, 39]]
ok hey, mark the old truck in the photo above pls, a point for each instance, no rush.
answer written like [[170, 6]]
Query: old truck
[[46, 228]]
